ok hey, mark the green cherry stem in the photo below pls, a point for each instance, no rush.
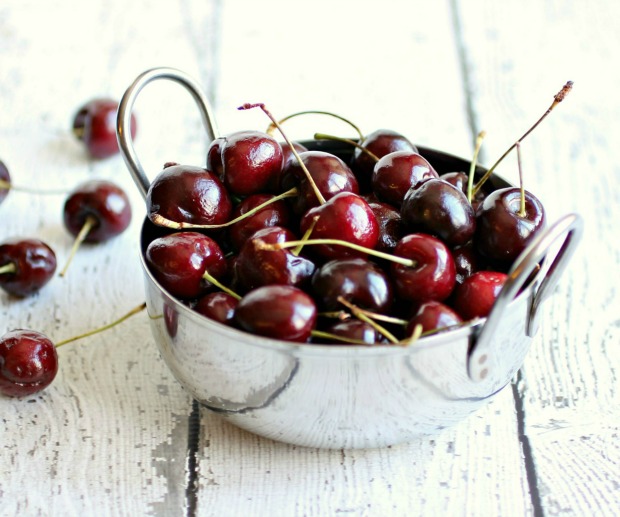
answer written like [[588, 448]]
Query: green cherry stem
[[521, 186], [133, 311], [472, 167], [8, 268], [272, 126], [86, 227], [211, 279], [7, 185], [323, 136], [559, 97], [335, 242], [363, 317], [415, 335], [317, 192]]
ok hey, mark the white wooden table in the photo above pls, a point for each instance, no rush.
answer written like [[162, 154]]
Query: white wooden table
[[116, 435]]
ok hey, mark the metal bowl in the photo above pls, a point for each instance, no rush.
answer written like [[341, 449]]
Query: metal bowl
[[344, 396]]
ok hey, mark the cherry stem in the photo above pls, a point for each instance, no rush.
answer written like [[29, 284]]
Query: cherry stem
[[8, 268], [211, 279], [168, 223], [317, 192], [415, 335], [306, 236], [379, 254], [559, 97], [363, 317], [272, 126], [323, 136], [335, 337], [382, 317], [83, 233], [522, 204], [7, 185], [133, 311], [472, 167]]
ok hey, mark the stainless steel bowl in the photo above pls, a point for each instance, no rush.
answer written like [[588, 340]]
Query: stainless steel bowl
[[343, 396]]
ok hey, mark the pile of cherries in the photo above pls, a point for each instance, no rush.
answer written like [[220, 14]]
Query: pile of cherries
[[333, 240]]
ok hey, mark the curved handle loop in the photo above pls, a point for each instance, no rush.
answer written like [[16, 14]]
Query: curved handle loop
[[571, 227], [123, 120]]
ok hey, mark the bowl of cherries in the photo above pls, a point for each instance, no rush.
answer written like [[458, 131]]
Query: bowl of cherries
[[338, 292]]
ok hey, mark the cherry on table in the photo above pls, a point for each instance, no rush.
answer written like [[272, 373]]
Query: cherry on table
[[28, 362], [94, 124], [277, 311], [26, 265]]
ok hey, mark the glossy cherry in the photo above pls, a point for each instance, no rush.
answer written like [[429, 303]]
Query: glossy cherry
[[352, 331], [330, 174], [28, 362], [26, 265], [100, 204], [218, 306], [474, 298], [251, 160], [466, 260], [379, 143], [441, 209], [502, 232], [277, 311], [95, 125], [391, 228], [434, 274], [357, 280], [346, 216], [255, 266], [178, 261], [433, 315], [397, 172], [188, 194]]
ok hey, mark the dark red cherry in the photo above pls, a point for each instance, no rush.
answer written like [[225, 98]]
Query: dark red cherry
[[355, 330], [277, 311], [5, 181], [95, 125], [218, 306], [184, 193], [397, 172], [391, 228], [379, 143], [103, 204], [330, 174], [466, 260], [251, 160], [477, 294], [502, 232], [287, 153], [26, 265], [356, 280], [439, 208], [275, 214], [433, 315], [255, 267], [28, 363], [346, 216], [214, 156], [178, 261], [432, 277]]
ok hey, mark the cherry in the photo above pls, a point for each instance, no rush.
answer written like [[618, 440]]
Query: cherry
[[357, 280], [397, 172], [5, 181], [218, 306], [391, 228], [466, 260], [26, 265], [251, 160], [179, 262], [433, 315], [214, 156], [441, 209], [330, 175], [95, 125], [502, 230], [287, 153], [379, 143], [277, 311], [474, 298], [351, 331], [28, 362], [256, 266], [347, 217], [274, 214], [187, 194], [433, 275]]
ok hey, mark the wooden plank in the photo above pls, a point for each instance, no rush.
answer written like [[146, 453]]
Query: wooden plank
[[520, 55]]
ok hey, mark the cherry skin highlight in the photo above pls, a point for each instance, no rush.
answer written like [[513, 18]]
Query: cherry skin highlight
[[30, 264]]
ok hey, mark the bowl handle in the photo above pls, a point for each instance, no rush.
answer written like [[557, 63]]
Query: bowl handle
[[123, 119], [570, 227]]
